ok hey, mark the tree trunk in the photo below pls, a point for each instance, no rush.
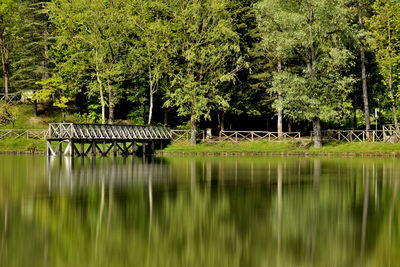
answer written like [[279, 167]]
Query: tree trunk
[[4, 64], [393, 98], [165, 117], [317, 133], [35, 108], [280, 112], [102, 101], [150, 107], [290, 126], [193, 131], [46, 74], [151, 93], [110, 103], [222, 121], [363, 72]]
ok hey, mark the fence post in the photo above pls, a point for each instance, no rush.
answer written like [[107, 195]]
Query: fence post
[[236, 137], [220, 135], [252, 138]]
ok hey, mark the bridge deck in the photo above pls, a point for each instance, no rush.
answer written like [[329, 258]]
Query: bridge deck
[[101, 138], [62, 131]]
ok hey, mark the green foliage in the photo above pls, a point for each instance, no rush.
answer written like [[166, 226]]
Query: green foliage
[[385, 26], [207, 52], [7, 115], [136, 115], [310, 34], [51, 88], [32, 147]]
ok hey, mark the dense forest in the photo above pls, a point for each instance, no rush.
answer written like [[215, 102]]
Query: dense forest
[[276, 65]]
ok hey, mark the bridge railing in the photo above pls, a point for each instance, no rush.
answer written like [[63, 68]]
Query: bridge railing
[[104, 131], [236, 136], [23, 133]]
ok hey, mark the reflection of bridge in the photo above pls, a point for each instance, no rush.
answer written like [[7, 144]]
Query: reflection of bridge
[[101, 138]]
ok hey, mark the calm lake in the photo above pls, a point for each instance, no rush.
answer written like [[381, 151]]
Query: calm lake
[[199, 211]]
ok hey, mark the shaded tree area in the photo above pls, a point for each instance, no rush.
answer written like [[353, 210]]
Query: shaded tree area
[[221, 64]]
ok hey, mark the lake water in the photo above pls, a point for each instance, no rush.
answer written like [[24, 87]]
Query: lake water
[[199, 211]]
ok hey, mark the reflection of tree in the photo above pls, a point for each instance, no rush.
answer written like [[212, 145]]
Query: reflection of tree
[[268, 212]]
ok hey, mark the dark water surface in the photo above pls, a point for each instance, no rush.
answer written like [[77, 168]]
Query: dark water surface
[[199, 211]]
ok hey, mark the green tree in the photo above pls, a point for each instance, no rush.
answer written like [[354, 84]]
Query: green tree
[[9, 17], [315, 87], [103, 30], [385, 24], [278, 32], [207, 54]]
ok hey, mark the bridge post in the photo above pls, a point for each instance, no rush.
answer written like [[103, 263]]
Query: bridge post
[[59, 145], [94, 148], [125, 152], [104, 149], [72, 147], [50, 151], [134, 148], [144, 148], [82, 149], [151, 146], [115, 148]]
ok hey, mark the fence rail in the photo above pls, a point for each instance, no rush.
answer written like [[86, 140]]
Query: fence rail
[[236, 136], [184, 135], [388, 134], [11, 97], [23, 133]]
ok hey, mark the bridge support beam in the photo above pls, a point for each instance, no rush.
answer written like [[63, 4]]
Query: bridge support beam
[[101, 147]]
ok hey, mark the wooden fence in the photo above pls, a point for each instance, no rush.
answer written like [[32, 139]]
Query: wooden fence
[[388, 134], [184, 135], [237, 136], [23, 133], [11, 97]]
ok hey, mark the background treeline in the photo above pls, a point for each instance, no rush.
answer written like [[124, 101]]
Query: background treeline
[[292, 65]]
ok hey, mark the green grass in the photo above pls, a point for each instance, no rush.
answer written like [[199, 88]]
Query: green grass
[[22, 145], [264, 147], [26, 120]]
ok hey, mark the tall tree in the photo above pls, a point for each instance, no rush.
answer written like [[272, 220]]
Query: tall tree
[[207, 52], [9, 17], [361, 11], [106, 30], [30, 59], [278, 33], [315, 87], [385, 24]]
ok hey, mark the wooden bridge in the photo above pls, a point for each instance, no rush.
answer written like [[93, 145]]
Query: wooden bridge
[[84, 139]]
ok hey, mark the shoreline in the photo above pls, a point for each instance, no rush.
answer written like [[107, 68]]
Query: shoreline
[[282, 154], [255, 148]]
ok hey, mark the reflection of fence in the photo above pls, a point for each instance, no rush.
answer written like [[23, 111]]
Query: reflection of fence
[[11, 97], [237, 136], [23, 133], [184, 135]]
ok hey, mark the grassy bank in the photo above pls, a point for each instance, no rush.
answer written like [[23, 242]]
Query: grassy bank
[[263, 147], [19, 145], [223, 148]]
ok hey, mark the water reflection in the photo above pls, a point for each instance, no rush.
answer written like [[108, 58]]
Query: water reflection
[[199, 211]]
